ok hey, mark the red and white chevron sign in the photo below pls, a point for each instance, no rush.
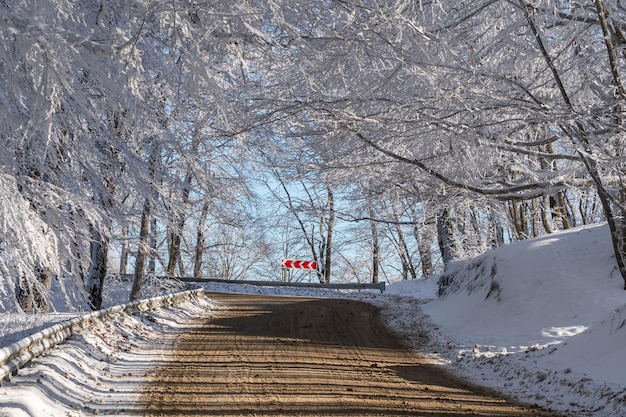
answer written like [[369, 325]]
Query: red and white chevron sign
[[293, 263]]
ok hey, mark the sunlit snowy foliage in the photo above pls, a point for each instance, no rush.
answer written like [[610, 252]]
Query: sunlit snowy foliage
[[382, 139]]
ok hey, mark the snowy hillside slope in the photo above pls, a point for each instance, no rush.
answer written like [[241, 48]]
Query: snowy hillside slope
[[543, 319], [537, 292]]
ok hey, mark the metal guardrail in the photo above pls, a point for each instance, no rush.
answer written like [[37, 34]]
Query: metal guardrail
[[18, 354], [338, 286], [381, 286]]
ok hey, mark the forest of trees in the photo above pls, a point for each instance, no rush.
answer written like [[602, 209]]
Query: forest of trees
[[381, 138]]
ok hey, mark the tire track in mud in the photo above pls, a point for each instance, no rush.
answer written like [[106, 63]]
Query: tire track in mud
[[279, 356]]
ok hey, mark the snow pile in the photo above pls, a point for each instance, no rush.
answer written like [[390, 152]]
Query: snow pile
[[540, 291], [100, 370], [16, 326], [541, 320]]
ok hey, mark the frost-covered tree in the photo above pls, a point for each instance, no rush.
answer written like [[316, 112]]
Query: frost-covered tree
[[65, 74], [512, 101], [86, 90], [474, 116]]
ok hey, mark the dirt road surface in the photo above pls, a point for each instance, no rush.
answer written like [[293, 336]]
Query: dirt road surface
[[277, 356]]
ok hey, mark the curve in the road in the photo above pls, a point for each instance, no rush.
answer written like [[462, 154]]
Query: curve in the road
[[275, 356]]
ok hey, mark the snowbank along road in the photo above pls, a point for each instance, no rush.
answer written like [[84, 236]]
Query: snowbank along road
[[241, 355]]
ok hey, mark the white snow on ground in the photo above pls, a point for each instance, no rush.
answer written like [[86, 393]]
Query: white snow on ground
[[97, 370], [543, 321]]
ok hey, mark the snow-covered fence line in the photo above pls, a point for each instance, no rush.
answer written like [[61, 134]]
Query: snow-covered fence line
[[18, 354]]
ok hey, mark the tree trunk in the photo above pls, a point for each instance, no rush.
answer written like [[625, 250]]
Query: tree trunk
[[174, 247], [617, 230], [405, 256], [32, 297], [329, 234], [445, 233], [424, 239], [375, 244], [181, 266], [125, 251], [557, 202], [152, 252], [100, 244], [617, 226], [543, 208], [97, 270], [519, 219], [536, 213], [197, 265], [496, 231], [424, 246], [144, 229], [76, 265], [375, 253], [563, 210], [179, 216], [569, 210], [559, 209], [523, 219], [142, 252], [476, 226]]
